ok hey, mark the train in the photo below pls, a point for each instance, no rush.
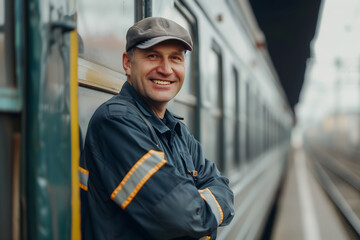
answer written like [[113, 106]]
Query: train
[[60, 60]]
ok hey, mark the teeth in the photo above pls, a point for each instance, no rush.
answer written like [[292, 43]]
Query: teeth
[[161, 82]]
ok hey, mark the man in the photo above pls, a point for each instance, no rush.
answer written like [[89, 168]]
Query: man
[[147, 176]]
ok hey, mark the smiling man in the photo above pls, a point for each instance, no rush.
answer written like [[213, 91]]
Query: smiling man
[[156, 73], [144, 174]]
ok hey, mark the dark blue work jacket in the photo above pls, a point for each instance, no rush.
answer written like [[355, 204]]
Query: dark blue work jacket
[[138, 187]]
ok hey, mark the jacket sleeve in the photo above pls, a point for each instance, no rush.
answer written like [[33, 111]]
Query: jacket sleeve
[[137, 177], [213, 187]]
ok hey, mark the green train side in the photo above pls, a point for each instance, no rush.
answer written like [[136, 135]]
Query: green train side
[[59, 60]]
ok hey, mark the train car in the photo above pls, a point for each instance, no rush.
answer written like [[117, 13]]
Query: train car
[[60, 60]]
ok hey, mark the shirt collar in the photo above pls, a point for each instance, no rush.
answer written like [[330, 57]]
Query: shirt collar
[[173, 121], [128, 91]]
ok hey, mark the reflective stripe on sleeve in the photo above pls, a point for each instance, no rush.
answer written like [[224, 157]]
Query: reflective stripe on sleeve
[[138, 175], [207, 195], [83, 178], [205, 238]]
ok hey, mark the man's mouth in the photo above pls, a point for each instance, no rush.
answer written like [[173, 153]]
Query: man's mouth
[[161, 82]]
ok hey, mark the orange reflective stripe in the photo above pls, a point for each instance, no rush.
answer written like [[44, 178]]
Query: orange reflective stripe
[[83, 178], [205, 238], [137, 176], [83, 187], [83, 170]]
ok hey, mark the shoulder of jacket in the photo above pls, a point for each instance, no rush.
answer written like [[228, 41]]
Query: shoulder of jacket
[[117, 107]]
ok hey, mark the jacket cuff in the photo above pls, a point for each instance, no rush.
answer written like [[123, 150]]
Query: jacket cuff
[[207, 195]]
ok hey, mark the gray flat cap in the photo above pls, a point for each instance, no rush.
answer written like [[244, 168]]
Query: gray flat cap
[[153, 30]]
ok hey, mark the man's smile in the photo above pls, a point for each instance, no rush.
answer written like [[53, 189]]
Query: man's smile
[[161, 82]]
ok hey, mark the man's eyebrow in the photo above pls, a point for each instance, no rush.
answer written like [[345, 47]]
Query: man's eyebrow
[[182, 51], [179, 52]]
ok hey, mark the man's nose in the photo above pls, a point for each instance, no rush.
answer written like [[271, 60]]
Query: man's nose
[[165, 67]]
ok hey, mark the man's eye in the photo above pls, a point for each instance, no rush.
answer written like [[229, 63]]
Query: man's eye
[[176, 58], [152, 56]]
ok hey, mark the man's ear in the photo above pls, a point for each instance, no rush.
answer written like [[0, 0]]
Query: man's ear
[[127, 64]]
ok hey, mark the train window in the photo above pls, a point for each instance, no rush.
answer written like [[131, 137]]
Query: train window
[[2, 13], [212, 126], [231, 119], [255, 125], [248, 123], [266, 128], [236, 91], [102, 27], [230, 94], [213, 88], [263, 137], [5, 80], [259, 141]]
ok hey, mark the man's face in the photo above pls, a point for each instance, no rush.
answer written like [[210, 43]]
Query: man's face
[[157, 73]]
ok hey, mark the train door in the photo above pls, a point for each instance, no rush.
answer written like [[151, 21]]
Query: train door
[[50, 128], [248, 124]]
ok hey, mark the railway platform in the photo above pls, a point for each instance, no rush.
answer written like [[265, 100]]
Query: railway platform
[[304, 209]]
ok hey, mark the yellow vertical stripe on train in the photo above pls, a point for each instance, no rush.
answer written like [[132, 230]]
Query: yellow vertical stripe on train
[[75, 146]]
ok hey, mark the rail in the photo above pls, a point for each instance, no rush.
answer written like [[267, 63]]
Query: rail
[[338, 175]]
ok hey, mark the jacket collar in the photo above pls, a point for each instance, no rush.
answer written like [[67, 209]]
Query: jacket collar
[[128, 91]]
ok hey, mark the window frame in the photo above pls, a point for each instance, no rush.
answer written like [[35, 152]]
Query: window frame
[[10, 93]]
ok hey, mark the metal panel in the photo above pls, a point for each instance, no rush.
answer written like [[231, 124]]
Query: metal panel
[[6, 129], [89, 101]]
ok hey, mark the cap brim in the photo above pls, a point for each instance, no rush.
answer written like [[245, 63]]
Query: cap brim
[[153, 41]]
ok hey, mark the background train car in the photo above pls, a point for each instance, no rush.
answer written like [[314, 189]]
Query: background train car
[[231, 100]]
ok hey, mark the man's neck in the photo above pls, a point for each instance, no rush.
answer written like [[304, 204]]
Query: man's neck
[[158, 109]]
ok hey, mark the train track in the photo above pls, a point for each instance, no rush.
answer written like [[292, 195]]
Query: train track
[[339, 175]]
